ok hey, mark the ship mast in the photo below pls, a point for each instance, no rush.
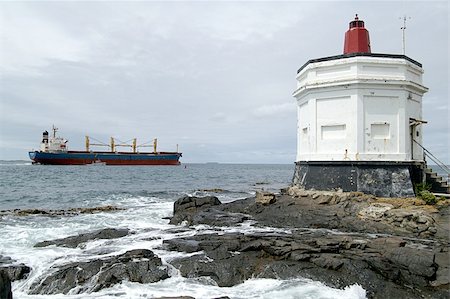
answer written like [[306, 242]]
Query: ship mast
[[55, 129]]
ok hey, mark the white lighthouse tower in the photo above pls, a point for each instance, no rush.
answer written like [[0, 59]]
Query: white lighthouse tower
[[359, 120]]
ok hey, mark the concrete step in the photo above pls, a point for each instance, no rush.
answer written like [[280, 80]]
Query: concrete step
[[446, 195], [437, 182]]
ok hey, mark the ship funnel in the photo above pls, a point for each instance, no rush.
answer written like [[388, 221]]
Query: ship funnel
[[357, 38]]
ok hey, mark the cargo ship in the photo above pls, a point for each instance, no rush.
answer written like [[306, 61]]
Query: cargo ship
[[54, 151]]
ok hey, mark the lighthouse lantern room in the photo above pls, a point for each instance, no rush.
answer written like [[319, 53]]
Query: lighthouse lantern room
[[360, 120]]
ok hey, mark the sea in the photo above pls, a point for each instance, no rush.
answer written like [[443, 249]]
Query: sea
[[146, 196]]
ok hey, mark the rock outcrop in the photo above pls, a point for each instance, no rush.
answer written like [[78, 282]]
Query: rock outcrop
[[52, 213], [14, 270], [185, 207], [204, 210], [139, 265], [74, 241], [394, 248], [387, 267]]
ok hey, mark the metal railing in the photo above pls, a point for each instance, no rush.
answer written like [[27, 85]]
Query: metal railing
[[438, 162]]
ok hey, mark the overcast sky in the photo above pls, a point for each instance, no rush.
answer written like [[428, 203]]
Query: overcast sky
[[214, 77]]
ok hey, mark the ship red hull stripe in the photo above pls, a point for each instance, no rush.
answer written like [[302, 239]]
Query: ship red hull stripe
[[83, 158]]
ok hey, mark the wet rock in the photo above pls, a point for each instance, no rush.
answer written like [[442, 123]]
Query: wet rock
[[380, 253], [5, 285], [93, 210], [214, 190], [333, 262], [193, 202], [68, 212], [139, 265], [15, 271], [214, 217], [185, 207], [74, 241], [392, 269], [31, 212], [182, 245]]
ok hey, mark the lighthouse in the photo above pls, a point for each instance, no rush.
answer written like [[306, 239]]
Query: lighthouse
[[360, 120]]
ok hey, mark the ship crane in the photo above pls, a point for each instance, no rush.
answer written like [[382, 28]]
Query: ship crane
[[155, 145], [113, 145]]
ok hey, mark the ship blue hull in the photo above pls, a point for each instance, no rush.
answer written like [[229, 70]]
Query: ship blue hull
[[83, 158]]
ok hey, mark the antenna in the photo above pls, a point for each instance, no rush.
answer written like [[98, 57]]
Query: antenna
[[403, 31]]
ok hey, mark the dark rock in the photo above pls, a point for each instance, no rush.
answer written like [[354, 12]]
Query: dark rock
[[333, 262], [391, 270], [225, 272], [214, 190], [139, 265], [419, 262], [214, 217], [74, 241], [5, 285], [188, 202], [68, 212], [185, 207], [182, 245], [31, 212], [15, 271], [385, 249]]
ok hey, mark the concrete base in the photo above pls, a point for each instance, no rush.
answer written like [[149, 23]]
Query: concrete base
[[384, 179]]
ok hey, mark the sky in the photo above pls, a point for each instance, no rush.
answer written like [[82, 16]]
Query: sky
[[216, 78]]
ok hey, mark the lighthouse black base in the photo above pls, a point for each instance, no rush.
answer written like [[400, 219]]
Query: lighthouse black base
[[380, 178]]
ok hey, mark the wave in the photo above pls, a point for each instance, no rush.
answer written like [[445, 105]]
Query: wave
[[14, 163]]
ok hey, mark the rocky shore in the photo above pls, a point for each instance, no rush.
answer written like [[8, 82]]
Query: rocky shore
[[392, 247]]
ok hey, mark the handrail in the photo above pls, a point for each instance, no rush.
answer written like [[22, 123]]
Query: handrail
[[439, 163]]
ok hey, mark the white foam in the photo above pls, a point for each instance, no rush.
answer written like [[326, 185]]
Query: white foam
[[143, 215], [206, 288]]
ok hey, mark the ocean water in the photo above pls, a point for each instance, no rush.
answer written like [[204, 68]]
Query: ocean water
[[146, 195]]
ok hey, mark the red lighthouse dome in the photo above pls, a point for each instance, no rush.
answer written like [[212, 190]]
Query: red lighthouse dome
[[357, 38]]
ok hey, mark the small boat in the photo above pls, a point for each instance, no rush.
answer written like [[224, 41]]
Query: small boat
[[97, 163]]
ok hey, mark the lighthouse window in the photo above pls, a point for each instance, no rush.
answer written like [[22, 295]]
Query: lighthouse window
[[379, 130], [333, 132]]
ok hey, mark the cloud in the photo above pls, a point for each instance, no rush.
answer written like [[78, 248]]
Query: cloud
[[29, 41], [275, 110], [217, 74]]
